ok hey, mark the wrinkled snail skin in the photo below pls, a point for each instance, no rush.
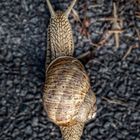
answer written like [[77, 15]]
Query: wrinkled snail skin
[[67, 98], [73, 132], [59, 34]]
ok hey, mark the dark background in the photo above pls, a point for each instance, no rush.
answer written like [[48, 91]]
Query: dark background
[[114, 79]]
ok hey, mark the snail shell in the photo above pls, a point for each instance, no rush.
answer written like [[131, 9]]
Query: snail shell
[[65, 89]]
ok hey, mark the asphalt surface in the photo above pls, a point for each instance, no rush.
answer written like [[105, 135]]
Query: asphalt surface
[[114, 72]]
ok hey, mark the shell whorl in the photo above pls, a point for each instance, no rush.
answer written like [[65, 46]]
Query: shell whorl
[[66, 86]]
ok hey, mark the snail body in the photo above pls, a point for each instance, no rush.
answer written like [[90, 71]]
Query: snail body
[[67, 98], [60, 38]]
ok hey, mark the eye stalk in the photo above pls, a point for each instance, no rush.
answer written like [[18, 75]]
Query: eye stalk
[[50, 8], [66, 13]]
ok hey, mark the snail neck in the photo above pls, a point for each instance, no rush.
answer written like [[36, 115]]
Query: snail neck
[[73, 132]]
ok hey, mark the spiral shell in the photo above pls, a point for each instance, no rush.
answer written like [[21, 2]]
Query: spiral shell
[[66, 86]]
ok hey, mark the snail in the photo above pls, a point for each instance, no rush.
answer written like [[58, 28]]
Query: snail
[[68, 98]]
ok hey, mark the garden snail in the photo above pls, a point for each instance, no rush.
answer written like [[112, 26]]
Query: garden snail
[[68, 98]]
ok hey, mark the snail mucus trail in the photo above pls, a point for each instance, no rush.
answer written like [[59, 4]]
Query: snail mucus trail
[[67, 98]]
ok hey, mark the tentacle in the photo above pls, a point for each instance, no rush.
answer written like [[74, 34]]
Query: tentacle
[[67, 12], [50, 8]]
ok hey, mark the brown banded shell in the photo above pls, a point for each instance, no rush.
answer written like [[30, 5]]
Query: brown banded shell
[[66, 86]]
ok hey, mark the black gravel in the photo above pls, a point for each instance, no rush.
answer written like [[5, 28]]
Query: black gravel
[[116, 81]]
